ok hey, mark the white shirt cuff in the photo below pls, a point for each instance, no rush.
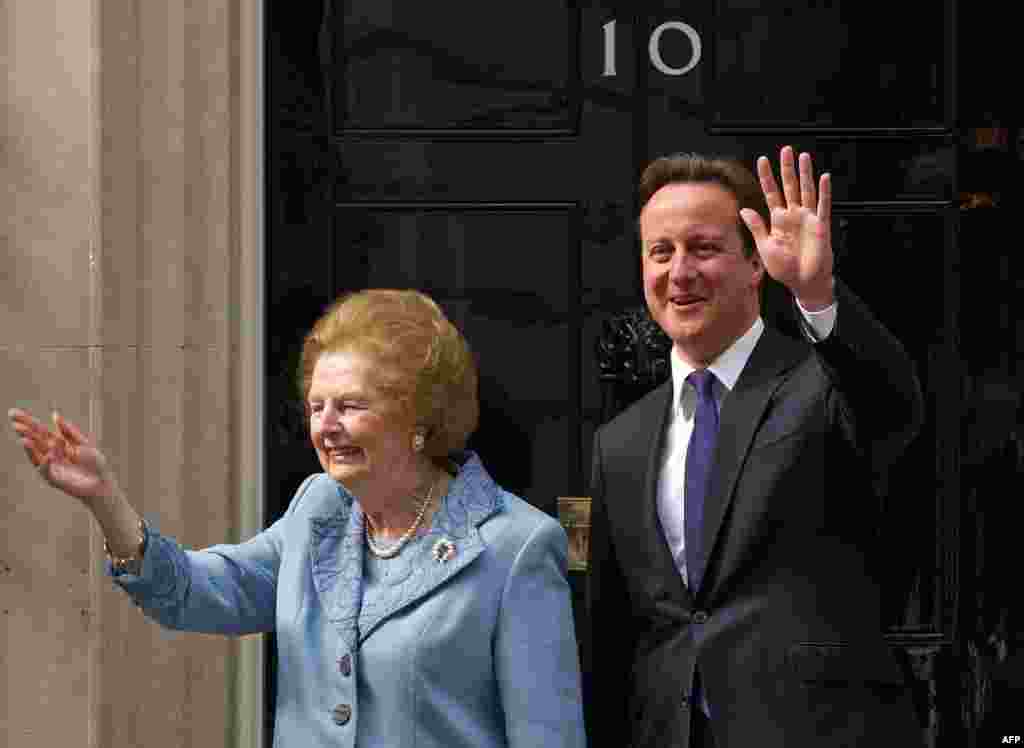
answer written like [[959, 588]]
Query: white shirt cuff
[[819, 325]]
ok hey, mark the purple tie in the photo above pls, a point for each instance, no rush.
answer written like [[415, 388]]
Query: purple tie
[[700, 455]]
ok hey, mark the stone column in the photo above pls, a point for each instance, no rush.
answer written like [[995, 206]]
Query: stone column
[[131, 300]]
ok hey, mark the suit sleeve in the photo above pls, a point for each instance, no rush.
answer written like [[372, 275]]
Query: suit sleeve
[[610, 635], [224, 589], [536, 657], [879, 399]]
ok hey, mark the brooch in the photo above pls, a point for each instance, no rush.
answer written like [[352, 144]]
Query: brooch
[[444, 550]]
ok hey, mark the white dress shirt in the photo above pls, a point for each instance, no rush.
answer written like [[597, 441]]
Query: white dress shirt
[[679, 427]]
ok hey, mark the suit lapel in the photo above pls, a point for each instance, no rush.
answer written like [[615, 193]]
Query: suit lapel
[[336, 551], [657, 415], [742, 412], [337, 554]]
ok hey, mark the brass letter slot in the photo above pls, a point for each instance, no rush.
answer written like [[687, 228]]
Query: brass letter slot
[[574, 514]]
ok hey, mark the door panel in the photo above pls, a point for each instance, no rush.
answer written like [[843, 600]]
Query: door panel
[[851, 67], [402, 69]]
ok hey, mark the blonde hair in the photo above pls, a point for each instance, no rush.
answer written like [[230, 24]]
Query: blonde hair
[[422, 363]]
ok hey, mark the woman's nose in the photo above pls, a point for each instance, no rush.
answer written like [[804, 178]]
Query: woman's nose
[[330, 420]]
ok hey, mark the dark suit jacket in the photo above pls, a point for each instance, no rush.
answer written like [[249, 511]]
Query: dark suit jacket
[[785, 626]]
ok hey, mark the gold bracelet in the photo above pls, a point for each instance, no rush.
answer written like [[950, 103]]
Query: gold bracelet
[[129, 564]]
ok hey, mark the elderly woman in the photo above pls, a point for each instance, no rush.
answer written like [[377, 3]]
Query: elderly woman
[[415, 602]]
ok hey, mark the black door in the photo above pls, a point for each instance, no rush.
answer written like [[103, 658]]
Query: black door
[[487, 153]]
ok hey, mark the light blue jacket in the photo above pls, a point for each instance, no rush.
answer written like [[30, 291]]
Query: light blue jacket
[[475, 651]]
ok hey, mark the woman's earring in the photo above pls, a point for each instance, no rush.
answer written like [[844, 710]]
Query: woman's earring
[[418, 442]]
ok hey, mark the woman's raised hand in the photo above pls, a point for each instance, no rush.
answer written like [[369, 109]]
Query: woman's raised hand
[[64, 457]]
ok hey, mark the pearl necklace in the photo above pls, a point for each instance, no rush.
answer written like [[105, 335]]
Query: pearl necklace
[[391, 551]]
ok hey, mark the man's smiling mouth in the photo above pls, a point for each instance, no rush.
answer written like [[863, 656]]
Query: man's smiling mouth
[[685, 302]]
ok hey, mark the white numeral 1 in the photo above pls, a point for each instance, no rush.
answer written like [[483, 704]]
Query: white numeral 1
[[609, 49]]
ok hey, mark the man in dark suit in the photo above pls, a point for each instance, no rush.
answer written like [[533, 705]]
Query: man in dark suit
[[732, 596]]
